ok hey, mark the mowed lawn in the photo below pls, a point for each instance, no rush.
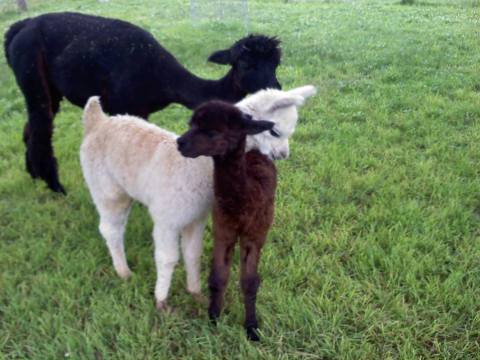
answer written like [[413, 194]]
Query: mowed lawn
[[375, 250]]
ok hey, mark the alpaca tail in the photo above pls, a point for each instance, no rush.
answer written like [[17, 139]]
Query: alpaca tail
[[93, 114]]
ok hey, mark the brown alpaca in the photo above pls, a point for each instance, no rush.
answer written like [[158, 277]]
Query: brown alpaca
[[244, 186]]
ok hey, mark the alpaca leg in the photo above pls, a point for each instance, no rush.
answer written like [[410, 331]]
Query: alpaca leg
[[113, 218], [40, 161], [250, 282], [218, 279], [42, 104], [192, 238], [166, 257], [55, 104], [26, 139]]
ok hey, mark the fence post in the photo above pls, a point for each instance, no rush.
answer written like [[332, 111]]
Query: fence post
[[22, 5]]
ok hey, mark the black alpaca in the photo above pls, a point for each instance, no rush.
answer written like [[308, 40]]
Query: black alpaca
[[76, 56]]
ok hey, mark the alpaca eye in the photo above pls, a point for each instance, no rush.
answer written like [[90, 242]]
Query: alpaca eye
[[274, 133], [246, 65]]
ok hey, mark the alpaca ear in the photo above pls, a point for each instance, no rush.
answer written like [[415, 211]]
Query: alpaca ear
[[304, 91], [253, 127], [222, 57], [286, 101]]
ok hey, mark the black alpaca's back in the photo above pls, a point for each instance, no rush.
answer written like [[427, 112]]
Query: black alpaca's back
[[85, 55]]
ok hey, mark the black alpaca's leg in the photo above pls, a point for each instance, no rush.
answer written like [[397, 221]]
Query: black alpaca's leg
[[250, 282], [55, 102], [28, 165], [40, 159], [42, 104], [218, 279]]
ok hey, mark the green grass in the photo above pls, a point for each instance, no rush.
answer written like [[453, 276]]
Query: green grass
[[375, 252]]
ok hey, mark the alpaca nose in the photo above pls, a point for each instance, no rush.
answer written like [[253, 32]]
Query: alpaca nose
[[283, 154]]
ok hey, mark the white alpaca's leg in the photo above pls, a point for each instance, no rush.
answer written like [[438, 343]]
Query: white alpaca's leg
[[192, 241], [166, 257], [113, 218]]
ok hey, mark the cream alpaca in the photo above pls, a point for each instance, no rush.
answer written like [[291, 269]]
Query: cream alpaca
[[124, 158]]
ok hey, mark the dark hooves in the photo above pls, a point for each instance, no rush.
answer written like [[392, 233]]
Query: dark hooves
[[252, 334], [58, 188], [213, 318], [32, 173]]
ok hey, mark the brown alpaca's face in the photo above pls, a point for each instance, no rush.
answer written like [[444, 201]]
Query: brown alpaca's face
[[217, 128], [197, 142]]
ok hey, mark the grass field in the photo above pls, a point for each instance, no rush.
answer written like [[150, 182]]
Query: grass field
[[375, 253]]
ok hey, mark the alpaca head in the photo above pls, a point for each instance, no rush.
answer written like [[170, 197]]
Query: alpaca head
[[254, 60], [217, 128], [281, 108]]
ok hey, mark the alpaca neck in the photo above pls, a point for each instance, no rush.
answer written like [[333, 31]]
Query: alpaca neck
[[230, 180], [195, 90]]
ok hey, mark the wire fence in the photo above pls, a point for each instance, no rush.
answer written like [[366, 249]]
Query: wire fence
[[220, 10], [199, 11]]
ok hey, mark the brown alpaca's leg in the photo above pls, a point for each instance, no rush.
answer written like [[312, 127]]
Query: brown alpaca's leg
[[250, 249], [222, 261]]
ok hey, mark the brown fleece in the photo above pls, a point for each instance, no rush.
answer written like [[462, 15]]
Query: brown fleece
[[244, 186]]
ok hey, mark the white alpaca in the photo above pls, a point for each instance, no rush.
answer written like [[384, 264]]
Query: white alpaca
[[125, 158]]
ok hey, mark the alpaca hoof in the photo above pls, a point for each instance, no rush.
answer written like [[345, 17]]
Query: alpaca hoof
[[30, 171], [163, 307], [57, 187], [124, 274], [213, 317], [29, 167], [252, 334]]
